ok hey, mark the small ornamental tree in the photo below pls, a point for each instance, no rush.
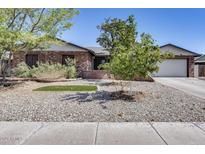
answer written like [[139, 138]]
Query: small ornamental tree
[[141, 60], [27, 29], [130, 59]]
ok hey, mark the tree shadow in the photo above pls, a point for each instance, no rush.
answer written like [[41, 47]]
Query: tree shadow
[[100, 96]]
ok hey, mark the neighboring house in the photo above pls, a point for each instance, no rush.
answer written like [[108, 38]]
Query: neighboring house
[[182, 65], [200, 66], [88, 59]]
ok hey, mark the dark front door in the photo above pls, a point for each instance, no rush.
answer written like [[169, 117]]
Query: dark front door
[[98, 61], [31, 60]]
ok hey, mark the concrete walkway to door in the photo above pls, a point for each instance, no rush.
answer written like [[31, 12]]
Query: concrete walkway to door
[[192, 86], [102, 133]]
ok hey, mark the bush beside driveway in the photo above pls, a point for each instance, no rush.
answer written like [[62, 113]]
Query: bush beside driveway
[[158, 103]]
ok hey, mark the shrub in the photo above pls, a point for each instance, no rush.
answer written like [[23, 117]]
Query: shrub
[[49, 70], [71, 69], [22, 70], [71, 72]]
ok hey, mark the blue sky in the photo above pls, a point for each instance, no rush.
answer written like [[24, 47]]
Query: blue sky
[[182, 27]]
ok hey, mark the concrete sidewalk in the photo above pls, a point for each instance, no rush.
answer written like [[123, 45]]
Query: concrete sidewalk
[[101, 133]]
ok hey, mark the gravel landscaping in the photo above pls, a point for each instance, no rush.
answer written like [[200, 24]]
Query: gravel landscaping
[[153, 102]]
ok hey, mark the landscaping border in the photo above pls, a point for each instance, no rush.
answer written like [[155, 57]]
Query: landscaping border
[[38, 79]]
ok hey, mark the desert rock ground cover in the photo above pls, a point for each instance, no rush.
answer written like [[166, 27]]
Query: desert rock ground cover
[[152, 102]]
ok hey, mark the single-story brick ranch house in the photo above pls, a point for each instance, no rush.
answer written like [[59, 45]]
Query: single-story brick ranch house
[[89, 58]]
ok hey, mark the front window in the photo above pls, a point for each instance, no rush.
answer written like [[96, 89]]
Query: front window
[[31, 59], [64, 57]]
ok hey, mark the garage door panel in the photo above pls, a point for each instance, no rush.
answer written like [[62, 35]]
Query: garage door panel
[[172, 68]]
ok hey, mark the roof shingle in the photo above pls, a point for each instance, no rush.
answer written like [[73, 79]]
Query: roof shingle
[[99, 51], [200, 59]]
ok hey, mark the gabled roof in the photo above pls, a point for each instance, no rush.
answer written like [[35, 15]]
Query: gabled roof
[[72, 44], [96, 51], [78, 46], [99, 51], [200, 59], [180, 48], [65, 46]]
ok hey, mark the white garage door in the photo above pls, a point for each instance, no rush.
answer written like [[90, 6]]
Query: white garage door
[[172, 68]]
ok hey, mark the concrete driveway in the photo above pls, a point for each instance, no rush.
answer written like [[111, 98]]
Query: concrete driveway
[[192, 86]]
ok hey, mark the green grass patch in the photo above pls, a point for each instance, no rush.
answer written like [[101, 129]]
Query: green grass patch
[[84, 88]]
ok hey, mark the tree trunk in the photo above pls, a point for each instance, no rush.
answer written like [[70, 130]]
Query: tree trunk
[[130, 91], [9, 64], [122, 86], [4, 68], [3, 72], [4, 77]]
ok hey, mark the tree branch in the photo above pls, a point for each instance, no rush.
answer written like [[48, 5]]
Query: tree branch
[[23, 20], [40, 16], [14, 18], [57, 21]]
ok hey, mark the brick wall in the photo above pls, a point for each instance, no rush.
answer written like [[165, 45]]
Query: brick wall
[[83, 62], [83, 59], [95, 74]]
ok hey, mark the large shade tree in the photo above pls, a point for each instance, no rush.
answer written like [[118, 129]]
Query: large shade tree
[[26, 29], [129, 58], [117, 34]]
